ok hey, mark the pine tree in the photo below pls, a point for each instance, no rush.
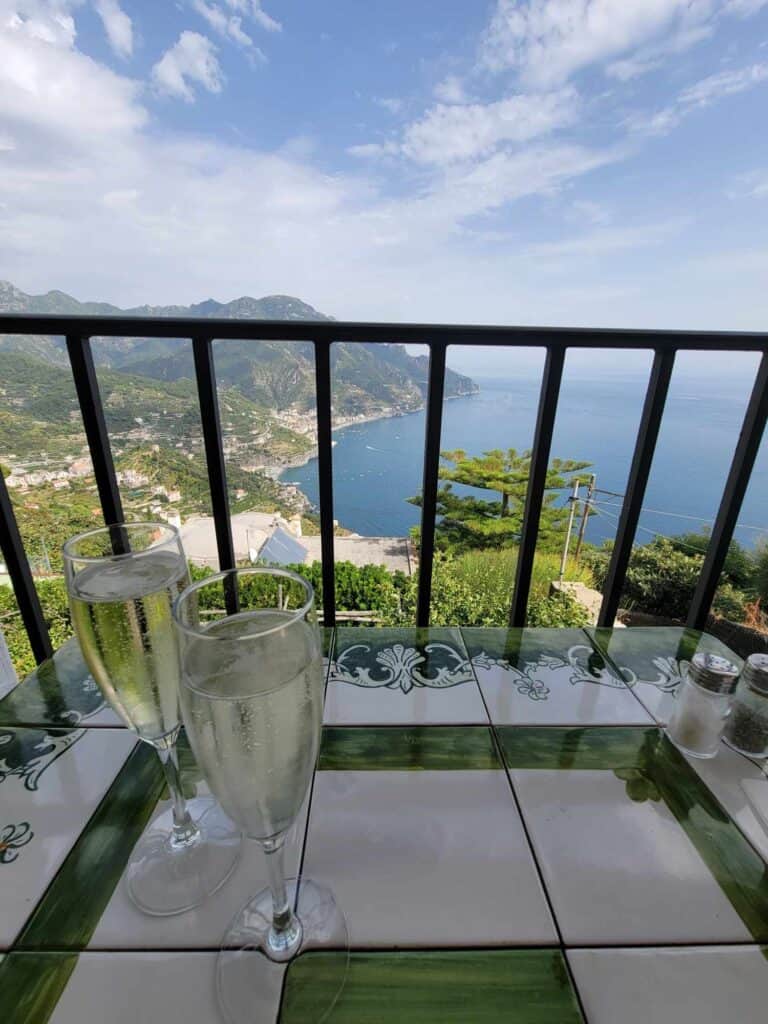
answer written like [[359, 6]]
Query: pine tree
[[469, 522]]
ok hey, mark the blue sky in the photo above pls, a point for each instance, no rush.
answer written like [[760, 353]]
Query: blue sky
[[587, 162]]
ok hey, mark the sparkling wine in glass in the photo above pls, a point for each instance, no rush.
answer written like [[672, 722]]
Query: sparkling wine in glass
[[252, 702], [122, 581]]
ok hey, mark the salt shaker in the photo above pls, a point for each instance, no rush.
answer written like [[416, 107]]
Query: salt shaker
[[703, 702], [747, 727]]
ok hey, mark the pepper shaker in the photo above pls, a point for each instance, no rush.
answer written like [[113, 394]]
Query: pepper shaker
[[747, 727], [703, 702]]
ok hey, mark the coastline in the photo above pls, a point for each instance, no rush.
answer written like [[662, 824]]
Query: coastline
[[275, 471]]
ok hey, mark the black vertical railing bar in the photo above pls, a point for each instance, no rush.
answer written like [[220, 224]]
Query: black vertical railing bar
[[645, 446], [92, 412], [16, 562], [325, 476], [537, 480], [205, 375], [433, 430], [739, 475]]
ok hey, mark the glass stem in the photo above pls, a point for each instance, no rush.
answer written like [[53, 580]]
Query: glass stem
[[284, 936], [185, 831]]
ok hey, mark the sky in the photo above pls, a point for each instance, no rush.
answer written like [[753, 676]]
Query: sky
[[564, 162]]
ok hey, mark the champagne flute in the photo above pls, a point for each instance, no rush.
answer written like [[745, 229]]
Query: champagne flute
[[122, 581], [252, 702]]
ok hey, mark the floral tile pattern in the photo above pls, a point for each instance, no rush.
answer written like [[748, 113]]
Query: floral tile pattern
[[653, 660], [400, 676], [535, 867], [548, 676], [51, 781], [61, 691]]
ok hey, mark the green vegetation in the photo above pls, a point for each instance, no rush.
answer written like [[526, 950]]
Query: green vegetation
[[470, 523], [662, 576]]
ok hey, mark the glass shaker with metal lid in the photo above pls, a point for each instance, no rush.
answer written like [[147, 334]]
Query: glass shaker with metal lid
[[703, 702], [747, 727]]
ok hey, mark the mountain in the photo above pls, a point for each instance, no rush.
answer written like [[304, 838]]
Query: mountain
[[278, 376]]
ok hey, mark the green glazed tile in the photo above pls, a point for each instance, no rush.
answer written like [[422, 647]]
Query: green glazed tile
[[60, 691], [407, 748], [651, 768], [403, 659], [69, 911], [582, 748], [739, 870], [481, 987], [31, 985]]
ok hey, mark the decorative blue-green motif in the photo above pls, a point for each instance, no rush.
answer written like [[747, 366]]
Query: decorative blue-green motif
[[27, 753], [12, 838], [578, 663], [402, 667]]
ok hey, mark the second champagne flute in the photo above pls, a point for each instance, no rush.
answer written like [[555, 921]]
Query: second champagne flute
[[252, 699], [122, 581]]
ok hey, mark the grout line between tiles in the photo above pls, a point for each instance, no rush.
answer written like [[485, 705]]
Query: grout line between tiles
[[597, 648], [534, 858]]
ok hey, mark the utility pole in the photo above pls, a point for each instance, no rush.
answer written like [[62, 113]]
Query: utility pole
[[573, 500], [585, 516]]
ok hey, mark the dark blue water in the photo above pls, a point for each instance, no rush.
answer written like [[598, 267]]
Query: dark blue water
[[377, 465]]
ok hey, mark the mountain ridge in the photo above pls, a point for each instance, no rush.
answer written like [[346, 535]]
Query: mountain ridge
[[368, 379]]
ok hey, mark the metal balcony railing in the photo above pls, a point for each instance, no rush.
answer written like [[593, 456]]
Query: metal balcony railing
[[556, 341]]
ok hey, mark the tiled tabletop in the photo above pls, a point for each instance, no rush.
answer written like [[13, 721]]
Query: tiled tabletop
[[506, 828]]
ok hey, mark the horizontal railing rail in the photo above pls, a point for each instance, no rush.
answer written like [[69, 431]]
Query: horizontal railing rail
[[556, 341]]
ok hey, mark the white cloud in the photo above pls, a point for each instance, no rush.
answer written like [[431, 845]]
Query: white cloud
[[548, 40], [192, 58], [753, 185], [451, 90], [744, 8], [117, 25], [389, 103], [449, 134], [229, 26], [253, 9], [649, 58], [48, 21], [726, 83], [49, 89], [701, 94]]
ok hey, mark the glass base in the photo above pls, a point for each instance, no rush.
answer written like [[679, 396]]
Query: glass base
[[321, 927], [165, 879]]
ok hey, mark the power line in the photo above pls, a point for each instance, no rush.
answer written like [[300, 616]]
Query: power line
[[678, 515]]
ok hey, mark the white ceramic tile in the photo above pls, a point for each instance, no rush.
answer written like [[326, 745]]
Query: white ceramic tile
[[49, 788], [400, 682], [742, 789], [426, 857], [123, 926], [717, 985], [131, 988], [556, 691], [549, 677], [619, 871]]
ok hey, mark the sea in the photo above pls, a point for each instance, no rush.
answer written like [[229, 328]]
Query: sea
[[377, 465]]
